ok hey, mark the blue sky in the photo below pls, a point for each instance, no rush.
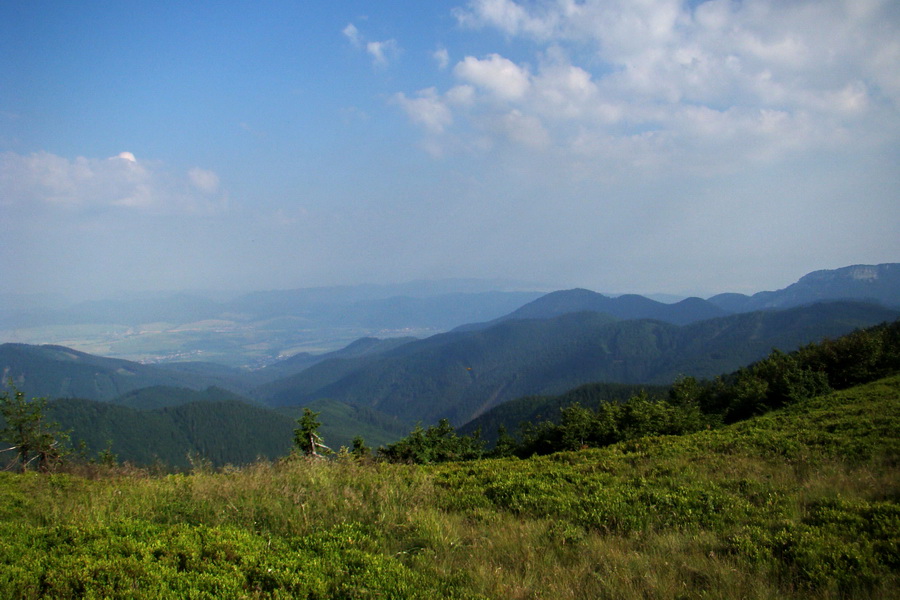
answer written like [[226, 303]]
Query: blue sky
[[619, 145]]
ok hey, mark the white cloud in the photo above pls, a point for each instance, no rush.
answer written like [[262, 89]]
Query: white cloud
[[461, 95], [787, 76], [426, 109], [512, 18], [524, 129], [352, 34], [500, 76], [205, 181], [382, 52], [46, 180], [442, 57]]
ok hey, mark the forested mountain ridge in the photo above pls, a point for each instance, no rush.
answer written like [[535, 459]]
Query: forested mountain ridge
[[460, 375], [866, 283], [535, 409], [173, 422], [162, 396], [167, 425], [363, 347], [543, 348], [220, 432], [59, 372], [262, 328], [627, 307], [877, 284]]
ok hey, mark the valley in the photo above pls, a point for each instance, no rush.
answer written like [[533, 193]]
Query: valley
[[380, 388]]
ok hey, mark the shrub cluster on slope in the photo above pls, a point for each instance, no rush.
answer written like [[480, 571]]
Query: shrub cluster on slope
[[691, 405]]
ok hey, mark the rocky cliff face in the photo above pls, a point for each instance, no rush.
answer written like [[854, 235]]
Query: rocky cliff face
[[863, 273]]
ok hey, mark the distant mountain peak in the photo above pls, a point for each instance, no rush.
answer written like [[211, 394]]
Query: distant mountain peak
[[869, 283], [626, 306], [870, 273]]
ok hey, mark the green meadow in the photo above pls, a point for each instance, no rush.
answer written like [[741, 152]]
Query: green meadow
[[798, 503]]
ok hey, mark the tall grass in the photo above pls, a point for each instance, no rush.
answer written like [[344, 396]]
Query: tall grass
[[801, 503]]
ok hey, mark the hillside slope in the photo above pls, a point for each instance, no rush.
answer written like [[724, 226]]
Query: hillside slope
[[224, 431], [800, 503], [59, 372], [460, 375]]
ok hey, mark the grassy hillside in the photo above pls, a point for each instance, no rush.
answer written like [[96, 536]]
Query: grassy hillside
[[799, 503]]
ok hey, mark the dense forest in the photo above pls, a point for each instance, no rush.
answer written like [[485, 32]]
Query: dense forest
[[592, 416]]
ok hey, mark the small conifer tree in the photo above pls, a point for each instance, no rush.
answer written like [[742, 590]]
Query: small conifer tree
[[306, 436], [33, 438]]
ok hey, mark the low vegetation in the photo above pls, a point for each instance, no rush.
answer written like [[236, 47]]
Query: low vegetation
[[798, 503]]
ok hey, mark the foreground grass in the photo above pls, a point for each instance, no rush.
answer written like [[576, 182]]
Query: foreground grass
[[800, 503]]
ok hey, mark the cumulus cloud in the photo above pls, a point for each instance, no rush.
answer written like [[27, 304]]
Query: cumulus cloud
[[496, 74], [46, 180], [514, 19], [426, 109], [524, 129], [786, 76]]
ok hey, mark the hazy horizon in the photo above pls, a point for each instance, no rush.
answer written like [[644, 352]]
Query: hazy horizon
[[662, 147]]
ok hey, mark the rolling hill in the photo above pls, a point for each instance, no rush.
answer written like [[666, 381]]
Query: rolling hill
[[222, 432], [627, 307], [460, 375], [163, 425], [59, 372]]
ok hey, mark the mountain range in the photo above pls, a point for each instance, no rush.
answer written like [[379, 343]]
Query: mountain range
[[545, 346], [262, 328], [878, 284], [460, 375]]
